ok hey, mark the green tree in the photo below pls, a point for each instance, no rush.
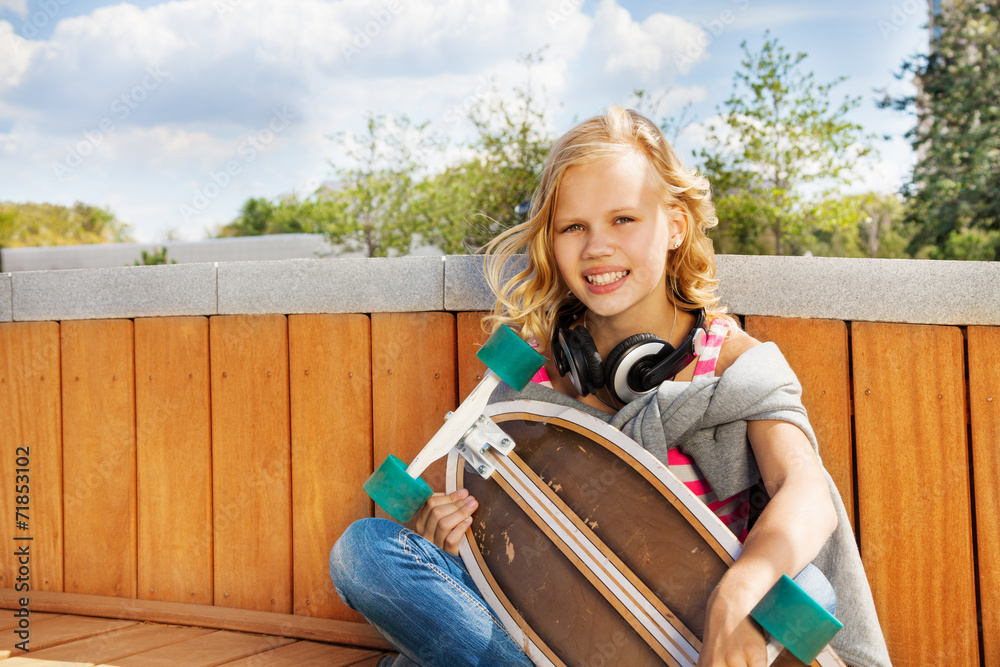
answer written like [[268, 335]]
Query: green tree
[[288, 215], [862, 225], [953, 198], [255, 219], [40, 224], [373, 208], [783, 146], [469, 203]]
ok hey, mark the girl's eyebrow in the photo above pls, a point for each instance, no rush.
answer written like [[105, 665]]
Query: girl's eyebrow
[[623, 209], [613, 212]]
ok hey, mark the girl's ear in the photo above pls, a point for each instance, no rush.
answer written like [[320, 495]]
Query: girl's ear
[[678, 225]]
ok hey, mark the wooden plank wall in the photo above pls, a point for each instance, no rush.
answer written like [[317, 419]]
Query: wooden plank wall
[[31, 417], [251, 462], [174, 443], [470, 338], [215, 460], [99, 460], [331, 390], [984, 404], [914, 489]]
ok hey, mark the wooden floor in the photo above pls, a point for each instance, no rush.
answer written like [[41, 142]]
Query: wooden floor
[[64, 639]]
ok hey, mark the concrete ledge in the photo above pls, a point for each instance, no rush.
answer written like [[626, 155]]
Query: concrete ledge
[[125, 292], [404, 284], [871, 290], [877, 290], [6, 299]]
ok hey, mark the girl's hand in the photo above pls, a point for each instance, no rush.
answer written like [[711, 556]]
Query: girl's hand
[[731, 639], [444, 519]]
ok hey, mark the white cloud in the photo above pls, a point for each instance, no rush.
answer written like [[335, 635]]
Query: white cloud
[[19, 7], [650, 50], [15, 56]]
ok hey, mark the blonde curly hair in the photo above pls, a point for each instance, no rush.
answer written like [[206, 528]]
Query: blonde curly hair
[[529, 300]]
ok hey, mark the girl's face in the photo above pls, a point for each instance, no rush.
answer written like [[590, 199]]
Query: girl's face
[[611, 236]]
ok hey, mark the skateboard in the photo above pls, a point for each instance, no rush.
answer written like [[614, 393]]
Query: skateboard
[[585, 545]]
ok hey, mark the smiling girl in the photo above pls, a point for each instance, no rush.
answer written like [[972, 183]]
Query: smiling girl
[[618, 264]]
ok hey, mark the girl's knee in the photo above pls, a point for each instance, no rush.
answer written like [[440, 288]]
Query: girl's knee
[[359, 548]]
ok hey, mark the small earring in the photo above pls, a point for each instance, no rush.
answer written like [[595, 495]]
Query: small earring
[[677, 245]]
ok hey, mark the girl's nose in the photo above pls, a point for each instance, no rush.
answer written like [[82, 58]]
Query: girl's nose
[[598, 245]]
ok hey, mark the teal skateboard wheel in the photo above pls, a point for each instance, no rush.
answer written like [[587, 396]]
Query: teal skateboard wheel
[[395, 491], [795, 620], [512, 359]]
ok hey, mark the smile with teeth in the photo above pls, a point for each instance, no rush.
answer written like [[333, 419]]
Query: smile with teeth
[[606, 278]]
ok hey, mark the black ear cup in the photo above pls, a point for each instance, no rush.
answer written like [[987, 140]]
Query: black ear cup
[[628, 365], [582, 360]]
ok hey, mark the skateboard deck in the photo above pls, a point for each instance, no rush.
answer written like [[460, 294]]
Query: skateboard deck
[[588, 548]]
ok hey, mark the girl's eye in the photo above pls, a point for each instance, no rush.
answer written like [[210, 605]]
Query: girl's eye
[[624, 218], [571, 228]]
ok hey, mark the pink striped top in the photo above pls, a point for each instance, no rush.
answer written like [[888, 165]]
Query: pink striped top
[[735, 510]]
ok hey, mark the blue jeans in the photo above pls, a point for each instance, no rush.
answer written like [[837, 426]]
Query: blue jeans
[[419, 597], [423, 601]]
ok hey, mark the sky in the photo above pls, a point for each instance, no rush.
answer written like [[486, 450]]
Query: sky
[[172, 114]]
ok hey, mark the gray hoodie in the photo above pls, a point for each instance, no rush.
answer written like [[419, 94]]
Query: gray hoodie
[[707, 418]]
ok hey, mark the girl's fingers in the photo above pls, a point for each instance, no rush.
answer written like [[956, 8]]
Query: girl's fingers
[[439, 507], [435, 501], [455, 536], [456, 514]]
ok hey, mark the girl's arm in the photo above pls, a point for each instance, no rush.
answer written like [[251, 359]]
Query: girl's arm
[[791, 530]]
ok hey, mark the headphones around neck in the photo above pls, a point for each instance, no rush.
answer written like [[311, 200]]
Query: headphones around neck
[[635, 366]]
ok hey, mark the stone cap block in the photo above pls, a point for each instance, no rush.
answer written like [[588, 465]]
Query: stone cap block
[[872, 290], [120, 292], [6, 298], [465, 286], [357, 285]]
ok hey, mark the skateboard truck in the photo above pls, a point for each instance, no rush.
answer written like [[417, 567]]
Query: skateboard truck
[[483, 435], [795, 621], [398, 489]]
